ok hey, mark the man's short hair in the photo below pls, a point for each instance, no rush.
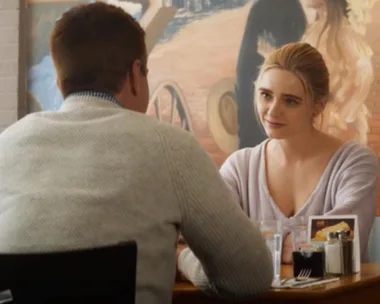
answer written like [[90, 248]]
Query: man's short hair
[[93, 48]]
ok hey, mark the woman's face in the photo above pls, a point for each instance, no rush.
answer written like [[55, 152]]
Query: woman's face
[[282, 104], [313, 9]]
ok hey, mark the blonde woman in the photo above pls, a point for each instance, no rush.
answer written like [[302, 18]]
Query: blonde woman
[[336, 29], [300, 170]]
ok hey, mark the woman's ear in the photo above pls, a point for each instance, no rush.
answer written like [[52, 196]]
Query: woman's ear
[[319, 106]]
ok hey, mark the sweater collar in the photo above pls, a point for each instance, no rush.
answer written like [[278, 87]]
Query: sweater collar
[[90, 98]]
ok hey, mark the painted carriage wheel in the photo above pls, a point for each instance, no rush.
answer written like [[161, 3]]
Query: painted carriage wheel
[[222, 117], [168, 104]]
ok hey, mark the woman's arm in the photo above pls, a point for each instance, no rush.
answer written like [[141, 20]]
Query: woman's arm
[[356, 192]]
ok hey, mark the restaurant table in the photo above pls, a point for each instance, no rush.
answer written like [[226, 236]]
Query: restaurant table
[[363, 287]]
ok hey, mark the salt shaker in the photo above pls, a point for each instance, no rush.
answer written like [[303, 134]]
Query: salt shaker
[[347, 257], [333, 253]]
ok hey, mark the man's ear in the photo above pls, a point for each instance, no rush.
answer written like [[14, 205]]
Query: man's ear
[[58, 82], [134, 77]]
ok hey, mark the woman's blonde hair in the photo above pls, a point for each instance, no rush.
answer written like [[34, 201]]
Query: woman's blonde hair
[[306, 63]]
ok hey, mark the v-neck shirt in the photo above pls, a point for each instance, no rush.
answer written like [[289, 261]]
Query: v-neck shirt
[[347, 186]]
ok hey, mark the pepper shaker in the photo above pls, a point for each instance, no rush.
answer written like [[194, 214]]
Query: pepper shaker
[[347, 257]]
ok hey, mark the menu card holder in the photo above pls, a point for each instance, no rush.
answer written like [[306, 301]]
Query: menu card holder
[[320, 225]]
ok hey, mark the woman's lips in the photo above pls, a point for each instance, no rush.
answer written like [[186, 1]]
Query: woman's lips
[[274, 124]]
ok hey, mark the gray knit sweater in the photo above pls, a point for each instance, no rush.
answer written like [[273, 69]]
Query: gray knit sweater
[[94, 173]]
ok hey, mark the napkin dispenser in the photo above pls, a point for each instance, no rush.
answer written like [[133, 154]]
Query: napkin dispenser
[[313, 260]]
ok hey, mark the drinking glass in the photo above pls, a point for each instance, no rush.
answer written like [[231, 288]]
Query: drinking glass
[[272, 230], [298, 228]]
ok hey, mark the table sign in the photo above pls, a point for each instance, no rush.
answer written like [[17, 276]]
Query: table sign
[[319, 225]]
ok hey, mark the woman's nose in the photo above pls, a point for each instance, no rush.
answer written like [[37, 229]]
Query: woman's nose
[[274, 108]]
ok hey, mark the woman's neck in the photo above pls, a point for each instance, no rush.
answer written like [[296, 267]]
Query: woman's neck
[[298, 148]]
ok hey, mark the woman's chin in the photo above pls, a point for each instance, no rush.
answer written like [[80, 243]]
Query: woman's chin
[[275, 134]]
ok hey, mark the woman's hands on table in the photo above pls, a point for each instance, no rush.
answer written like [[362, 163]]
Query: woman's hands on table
[[287, 250], [179, 276]]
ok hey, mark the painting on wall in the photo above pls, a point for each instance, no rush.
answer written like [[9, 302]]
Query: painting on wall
[[43, 93], [214, 60], [204, 56]]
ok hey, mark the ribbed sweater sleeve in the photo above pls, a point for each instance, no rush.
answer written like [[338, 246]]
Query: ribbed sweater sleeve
[[226, 254]]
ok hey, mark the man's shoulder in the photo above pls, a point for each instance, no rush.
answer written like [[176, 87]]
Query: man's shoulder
[[176, 136], [162, 128], [24, 123], [171, 138]]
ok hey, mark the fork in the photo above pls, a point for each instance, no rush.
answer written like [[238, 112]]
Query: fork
[[303, 275]]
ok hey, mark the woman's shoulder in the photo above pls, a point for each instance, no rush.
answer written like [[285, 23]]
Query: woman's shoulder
[[244, 158], [353, 157], [355, 150], [248, 154]]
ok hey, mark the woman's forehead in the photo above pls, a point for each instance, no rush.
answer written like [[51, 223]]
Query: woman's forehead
[[281, 81]]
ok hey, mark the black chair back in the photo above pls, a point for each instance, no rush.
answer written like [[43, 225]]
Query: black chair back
[[98, 275]]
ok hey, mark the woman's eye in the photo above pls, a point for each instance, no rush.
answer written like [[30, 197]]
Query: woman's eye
[[265, 95], [291, 101]]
